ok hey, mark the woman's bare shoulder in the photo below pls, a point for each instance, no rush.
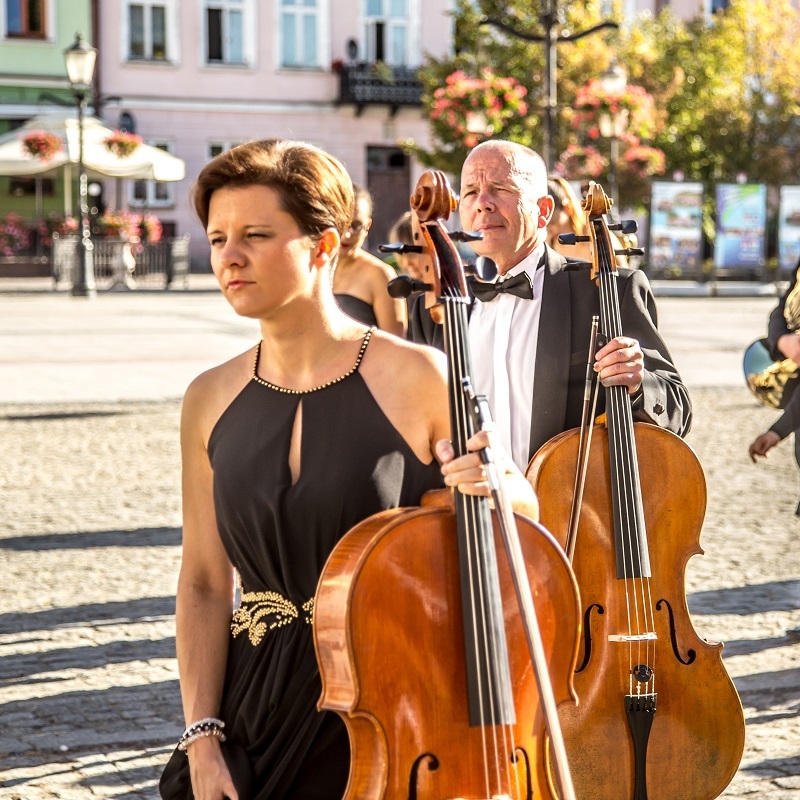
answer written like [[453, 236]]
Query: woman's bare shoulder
[[377, 269], [407, 359], [211, 392]]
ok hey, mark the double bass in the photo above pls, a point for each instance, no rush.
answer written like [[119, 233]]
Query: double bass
[[422, 629], [658, 716]]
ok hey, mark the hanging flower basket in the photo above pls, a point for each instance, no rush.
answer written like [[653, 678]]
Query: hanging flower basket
[[633, 103], [644, 161], [41, 144], [578, 162], [122, 144], [467, 110]]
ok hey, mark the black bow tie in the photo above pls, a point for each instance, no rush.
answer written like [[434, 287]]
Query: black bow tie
[[520, 286]]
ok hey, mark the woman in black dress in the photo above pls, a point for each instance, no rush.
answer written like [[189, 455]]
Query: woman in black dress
[[284, 449]]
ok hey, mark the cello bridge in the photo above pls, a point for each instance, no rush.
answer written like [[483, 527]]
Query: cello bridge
[[637, 637]]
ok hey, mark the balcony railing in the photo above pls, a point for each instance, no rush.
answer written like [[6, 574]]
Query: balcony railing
[[367, 85]]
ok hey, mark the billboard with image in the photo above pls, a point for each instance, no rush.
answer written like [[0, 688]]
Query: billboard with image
[[789, 230], [676, 232], [741, 228]]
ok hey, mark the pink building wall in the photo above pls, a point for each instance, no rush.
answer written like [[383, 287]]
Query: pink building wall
[[188, 104]]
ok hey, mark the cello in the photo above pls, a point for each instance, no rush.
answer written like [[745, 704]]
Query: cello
[[424, 637], [658, 717]]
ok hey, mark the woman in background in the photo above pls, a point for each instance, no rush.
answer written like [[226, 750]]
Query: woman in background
[[360, 280]]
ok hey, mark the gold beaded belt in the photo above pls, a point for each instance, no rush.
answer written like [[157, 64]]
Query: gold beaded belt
[[256, 608]]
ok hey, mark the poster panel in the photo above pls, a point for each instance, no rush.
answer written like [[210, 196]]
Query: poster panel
[[741, 228], [789, 230], [676, 230]]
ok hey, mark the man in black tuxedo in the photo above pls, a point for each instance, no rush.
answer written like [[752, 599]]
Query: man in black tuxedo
[[530, 341]]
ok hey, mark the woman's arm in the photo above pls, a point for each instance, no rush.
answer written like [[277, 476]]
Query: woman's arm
[[391, 314], [204, 603]]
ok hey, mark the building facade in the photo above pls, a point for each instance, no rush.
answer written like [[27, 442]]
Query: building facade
[[33, 81], [198, 76]]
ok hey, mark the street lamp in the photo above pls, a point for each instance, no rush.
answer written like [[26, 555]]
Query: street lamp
[[549, 20], [80, 58], [613, 126]]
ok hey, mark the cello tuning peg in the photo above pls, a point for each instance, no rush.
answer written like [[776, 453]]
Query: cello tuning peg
[[400, 248], [403, 286], [465, 236], [630, 251], [571, 238], [627, 226]]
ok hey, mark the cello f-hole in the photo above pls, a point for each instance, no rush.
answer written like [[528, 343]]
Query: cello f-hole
[[522, 753], [587, 635], [413, 776], [691, 655]]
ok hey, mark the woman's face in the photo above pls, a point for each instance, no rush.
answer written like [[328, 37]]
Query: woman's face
[[356, 234], [258, 253]]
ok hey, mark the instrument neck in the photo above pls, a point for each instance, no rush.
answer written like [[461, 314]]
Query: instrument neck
[[632, 556]]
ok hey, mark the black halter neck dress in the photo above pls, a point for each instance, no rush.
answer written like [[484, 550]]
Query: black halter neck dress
[[278, 534]]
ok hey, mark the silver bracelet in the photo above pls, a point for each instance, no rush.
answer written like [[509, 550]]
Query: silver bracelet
[[208, 726], [183, 744]]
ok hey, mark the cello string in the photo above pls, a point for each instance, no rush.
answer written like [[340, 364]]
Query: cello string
[[478, 506], [610, 329], [456, 316], [642, 586]]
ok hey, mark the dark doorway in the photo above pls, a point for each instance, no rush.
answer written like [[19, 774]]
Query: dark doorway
[[389, 183]]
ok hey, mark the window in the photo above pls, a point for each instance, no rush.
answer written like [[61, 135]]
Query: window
[[719, 5], [226, 22], [217, 148], [25, 18], [387, 31], [300, 28], [147, 30], [153, 193]]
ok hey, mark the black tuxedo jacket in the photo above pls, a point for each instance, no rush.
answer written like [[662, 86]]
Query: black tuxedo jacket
[[569, 300]]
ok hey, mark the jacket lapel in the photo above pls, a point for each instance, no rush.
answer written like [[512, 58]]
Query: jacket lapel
[[551, 373]]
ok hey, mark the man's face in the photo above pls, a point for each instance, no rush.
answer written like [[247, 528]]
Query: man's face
[[501, 202]]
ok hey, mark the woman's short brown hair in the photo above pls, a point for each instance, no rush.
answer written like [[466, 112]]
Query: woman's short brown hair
[[313, 186]]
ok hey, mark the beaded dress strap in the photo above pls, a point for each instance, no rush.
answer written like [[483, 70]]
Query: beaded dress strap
[[354, 368]]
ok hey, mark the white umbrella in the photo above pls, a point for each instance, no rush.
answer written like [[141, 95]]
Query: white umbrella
[[146, 162]]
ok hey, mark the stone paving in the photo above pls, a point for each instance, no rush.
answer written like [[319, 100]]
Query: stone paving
[[90, 537]]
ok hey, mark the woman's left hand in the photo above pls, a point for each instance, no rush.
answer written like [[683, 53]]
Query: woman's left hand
[[467, 473]]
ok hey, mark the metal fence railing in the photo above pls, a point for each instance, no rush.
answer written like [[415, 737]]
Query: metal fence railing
[[120, 264]]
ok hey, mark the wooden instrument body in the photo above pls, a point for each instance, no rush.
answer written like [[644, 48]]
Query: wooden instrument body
[[697, 736], [390, 597]]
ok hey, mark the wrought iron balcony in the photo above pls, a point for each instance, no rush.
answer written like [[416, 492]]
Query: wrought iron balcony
[[370, 84]]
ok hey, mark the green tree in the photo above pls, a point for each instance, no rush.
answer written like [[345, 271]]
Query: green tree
[[725, 91]]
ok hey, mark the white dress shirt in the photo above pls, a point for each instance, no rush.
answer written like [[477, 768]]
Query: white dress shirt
[[503, 365]]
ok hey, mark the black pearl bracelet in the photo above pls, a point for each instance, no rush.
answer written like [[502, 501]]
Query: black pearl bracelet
[[209, 726]]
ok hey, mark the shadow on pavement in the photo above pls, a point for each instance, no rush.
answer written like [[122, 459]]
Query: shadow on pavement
[[746, 600], [99, 719], [141, 537], [20, 669], [90, 614], [775, 767], [743, 647]]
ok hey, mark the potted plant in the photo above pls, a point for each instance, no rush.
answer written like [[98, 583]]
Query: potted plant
[[41, 144], [122, 144]]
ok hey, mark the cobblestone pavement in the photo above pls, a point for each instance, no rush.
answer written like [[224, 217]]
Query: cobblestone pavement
[[90, 542]]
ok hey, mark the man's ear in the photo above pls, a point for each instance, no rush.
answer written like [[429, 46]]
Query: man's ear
[[546, 207]]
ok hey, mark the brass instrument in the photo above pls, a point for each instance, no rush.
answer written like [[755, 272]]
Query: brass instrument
[[774, 382]]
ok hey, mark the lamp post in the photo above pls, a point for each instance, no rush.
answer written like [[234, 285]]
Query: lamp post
[[80, 58], [549, 20], [613, 126]]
